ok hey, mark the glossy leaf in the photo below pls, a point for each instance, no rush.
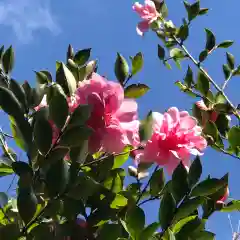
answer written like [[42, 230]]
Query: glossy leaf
[[82, 56], [176, 53], [226, 71], [189, 77], [210, 40], [183, 32], [195, 171], [203, 11], [136, 90], [8, 60], [192, 10], [80, 115], [21, 168], [177, 227], [148, 231], [157, 182], [161, 52], [203, 55], [225, 44], [137, 63], [203, 84], [120, 159], [230, 60], [234, 136], [234, 205], [3, 199], [121, 68], [110, 232]]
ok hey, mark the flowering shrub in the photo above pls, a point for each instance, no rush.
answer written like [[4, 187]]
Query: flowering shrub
[[82, 135]]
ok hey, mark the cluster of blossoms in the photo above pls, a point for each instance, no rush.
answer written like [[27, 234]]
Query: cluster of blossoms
[[115, 124]]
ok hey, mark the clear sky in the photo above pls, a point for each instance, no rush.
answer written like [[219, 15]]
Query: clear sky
[[40, 32]]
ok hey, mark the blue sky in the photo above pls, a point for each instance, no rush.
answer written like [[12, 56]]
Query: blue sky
[[40, 32]]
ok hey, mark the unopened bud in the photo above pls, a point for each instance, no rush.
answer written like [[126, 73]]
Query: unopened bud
[[132, 171], [142, 175]]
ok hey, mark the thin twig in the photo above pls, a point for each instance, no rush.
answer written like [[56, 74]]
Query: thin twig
[[235, 112], [145, 188], [226, 81], [148, 200], [225, 152]]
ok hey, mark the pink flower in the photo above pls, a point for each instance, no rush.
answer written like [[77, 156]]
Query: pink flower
[[175, 137], [148, 13], [212, 115], [113, 118], [224, 197]]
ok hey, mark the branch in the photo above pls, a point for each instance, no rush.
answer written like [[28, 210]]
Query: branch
[[235, 112], [226, 82]]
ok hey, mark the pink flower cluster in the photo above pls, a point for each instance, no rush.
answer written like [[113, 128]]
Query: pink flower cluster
[[175, 137], [114, 119], [147, 13]]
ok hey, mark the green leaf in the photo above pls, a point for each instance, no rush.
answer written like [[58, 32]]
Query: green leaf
[[207, 187], [21, 168], [225, 44], [177, 227], [119, 202], [135, 221], [120, 159], [82, 56], [114, 182], [136, 90], [163, 9], [110, 232], [203, 84], [121, 68], [236, 71], [234, 136], [145, 130], [70, 52], [223, 124], [5, 169], [58, 109], [204, 235], [203, 11], [177, 53], [183, 32], [26, 204], [42, 78], [226, 71], [203, 55], [74, 136], [179, 182], [157, 182], [65, 78], [9, 103], [167, 210], [8, 60], [3, 199], [192, 10], [161, 52], [19, 93], [189, 77], [210, 40], [230, 60], [80, 115], [148, 231], [195, 171], [57, 178], [234, 205], [1, 52], [188, 207], [137, 63], [42, 133], [10, 231]]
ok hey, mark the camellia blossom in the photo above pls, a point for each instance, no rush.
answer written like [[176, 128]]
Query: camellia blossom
[[212, 115], [113, 118], [148, 13], [175, 137]]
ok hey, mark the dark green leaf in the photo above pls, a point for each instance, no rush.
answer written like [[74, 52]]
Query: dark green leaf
[[188, 207], [203, 84], [8, 60], [42, 78], [207, 187], [137, 63], [179, 182], [189, 77], [192, 10], [232, 206], [177, 227], [65, 78], [225, 44], [57, 177], [223, 124], [3, 199], [110, 232], [26, 204], [21, 168], [70, 52], [19, 93], [157, 182], [161, 52], [203, 55], [195, 171], [58, 109], [204, 235], [210, 40], [163, 9], [234, 136], [121, 68], [145, 130], [114, 182], [80, 115], [167, 210], [203, 11], [82, 56], [43, 134], [183, 32], [226, 71], [135, 221], [74, 136], [148, 231], [236, 71], [136, 90], [1, 52], [230, 60], [9, 231]]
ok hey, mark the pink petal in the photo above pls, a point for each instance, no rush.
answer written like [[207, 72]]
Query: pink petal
[[157, 121], [127, 111], [142, 27], [187, 123], [174, 114]]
